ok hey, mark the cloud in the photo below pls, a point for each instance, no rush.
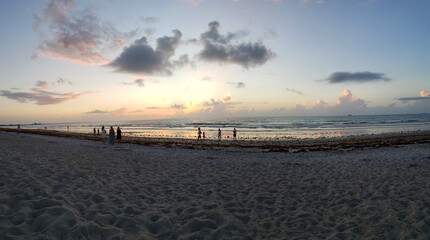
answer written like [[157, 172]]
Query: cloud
[[41, 97], [321, 104], [63, 81], [348, 98], [211, 102], [78, 36], [138, 82], [413, 98], [219, 48], [294, 91], [117, 111], [424, 95], [237, 84], [40, 85], [360, 77], [226, 99], [178, 106], [97, 112], [141, 58]]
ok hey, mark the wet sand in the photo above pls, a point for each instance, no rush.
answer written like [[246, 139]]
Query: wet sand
[[72, 187]]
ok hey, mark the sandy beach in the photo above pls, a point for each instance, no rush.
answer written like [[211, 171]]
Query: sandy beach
[[55, 187]]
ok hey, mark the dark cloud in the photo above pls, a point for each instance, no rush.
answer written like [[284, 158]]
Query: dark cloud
[[220, 48], [117, 111], [78, 36], [97, 112], [138, 82], [141, 58], [237, 84], [155, 108], [40, 96], [294, 91], [178, 106], [413, 98], [360, 77], [63, 81], [42, 85]]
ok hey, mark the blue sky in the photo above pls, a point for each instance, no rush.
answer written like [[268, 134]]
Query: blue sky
[[65, 60]]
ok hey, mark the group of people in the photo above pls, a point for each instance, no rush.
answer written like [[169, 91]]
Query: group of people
[[199, 135], [111, 135]]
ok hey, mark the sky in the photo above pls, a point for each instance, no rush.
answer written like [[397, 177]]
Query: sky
[[93, 60]]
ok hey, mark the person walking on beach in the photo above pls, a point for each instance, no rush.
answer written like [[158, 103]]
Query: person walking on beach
[[234, 133], [103, 134], [98, 131], [94, 131], [219, 134], [111, 136], [118, 135], [18, 129], [199, 136]]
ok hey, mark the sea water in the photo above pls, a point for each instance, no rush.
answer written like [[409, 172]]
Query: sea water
[[258, 128]]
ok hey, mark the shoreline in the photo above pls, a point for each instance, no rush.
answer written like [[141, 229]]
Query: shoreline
[[288, 145]]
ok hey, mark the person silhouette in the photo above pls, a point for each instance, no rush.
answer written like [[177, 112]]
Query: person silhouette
[[199, 135], [219, 134], [111, 136], [103, 134], [118, 135], [234, 133]]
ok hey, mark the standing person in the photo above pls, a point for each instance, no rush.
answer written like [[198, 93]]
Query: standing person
[[103, 134], [219, 134], [234, 133], [18, 129], [118, 135], [111, 136], [204, 135], [94, 131], [199, 135], [67, 128], [98, 131]]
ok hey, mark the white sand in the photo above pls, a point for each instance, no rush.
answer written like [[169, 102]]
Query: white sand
[[63, 188]]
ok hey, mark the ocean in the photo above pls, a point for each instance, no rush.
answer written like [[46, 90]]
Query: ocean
[[258, 128]]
